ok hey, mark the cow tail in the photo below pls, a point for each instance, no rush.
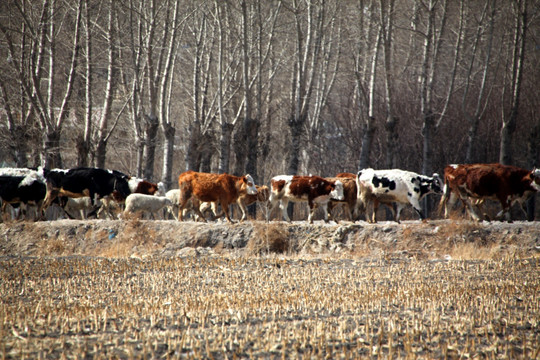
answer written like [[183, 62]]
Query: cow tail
[[444, 198]]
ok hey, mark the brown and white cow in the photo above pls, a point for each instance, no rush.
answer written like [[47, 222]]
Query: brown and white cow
[[505, 183], [313, 189], [224, 189], [350, 202], [141, 186]]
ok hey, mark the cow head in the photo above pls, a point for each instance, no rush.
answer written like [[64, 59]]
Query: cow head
[[250, 185], [121, 183], [535, 179], [337, 192], [437, 184]]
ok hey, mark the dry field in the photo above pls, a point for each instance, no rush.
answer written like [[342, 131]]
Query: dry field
[[361, 302]]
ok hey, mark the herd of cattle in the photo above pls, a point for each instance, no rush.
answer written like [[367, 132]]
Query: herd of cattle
[[103, 193]]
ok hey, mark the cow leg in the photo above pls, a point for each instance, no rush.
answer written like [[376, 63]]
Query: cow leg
[[243, 209], [225, 209], [449, 203], [283, 204], [374, 207], [195, 208], [505, 203], [416, 205], [324, 206], [271, 205], [49, 197], [182, 204], [470, 208], [312, 209]]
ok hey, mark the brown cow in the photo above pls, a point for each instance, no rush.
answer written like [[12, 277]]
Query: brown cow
[[313, 189], [350, 202], [263, 193], [262, 196], [505, 183], [223, 189]]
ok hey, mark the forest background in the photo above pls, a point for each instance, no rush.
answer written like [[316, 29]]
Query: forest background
[[153, 88]]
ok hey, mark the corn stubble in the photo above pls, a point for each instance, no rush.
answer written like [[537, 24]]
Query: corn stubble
[[268, 307]]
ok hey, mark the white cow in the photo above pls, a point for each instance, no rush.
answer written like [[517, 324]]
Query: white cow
[[395, 186]]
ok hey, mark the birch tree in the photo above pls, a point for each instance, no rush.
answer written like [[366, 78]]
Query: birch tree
[[85, 139], [166, 124], [366, 75], [103, 126], [325, 78], [132, 73]]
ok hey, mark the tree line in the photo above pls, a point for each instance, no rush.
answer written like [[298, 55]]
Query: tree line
[[154, 88]]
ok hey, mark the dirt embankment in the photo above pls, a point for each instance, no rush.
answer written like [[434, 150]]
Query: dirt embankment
[[441, 239]]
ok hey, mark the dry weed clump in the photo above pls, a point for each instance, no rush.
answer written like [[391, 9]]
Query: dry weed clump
[[268, 238], [268, 307], [134, 236]]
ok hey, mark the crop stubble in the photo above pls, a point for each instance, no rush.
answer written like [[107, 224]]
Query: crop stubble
[[271, 307]]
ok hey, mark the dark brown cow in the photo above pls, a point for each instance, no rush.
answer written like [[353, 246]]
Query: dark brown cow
[[505, 183], [350, 194], [140, 186], [224, 189], [313, 189]]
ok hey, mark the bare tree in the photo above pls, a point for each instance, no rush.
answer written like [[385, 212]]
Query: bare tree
[[325, 79], [85, 140], [518, 58], [366, 75], [199, 92], [308, 37], [103, 127], [42, 100], [257, 34], [165, 96], [474, 118], [387, 29]]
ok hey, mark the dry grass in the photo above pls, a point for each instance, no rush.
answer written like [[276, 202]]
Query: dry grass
[[210, 307], [268, 238]]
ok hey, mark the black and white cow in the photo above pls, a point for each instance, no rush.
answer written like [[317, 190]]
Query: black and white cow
[[395, 186], [20, 187], [79, 182]]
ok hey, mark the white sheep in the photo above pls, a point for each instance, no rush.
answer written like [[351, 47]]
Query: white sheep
[[140, 203]]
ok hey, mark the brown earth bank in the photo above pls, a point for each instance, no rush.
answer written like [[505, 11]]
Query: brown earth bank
[[438, 239]]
